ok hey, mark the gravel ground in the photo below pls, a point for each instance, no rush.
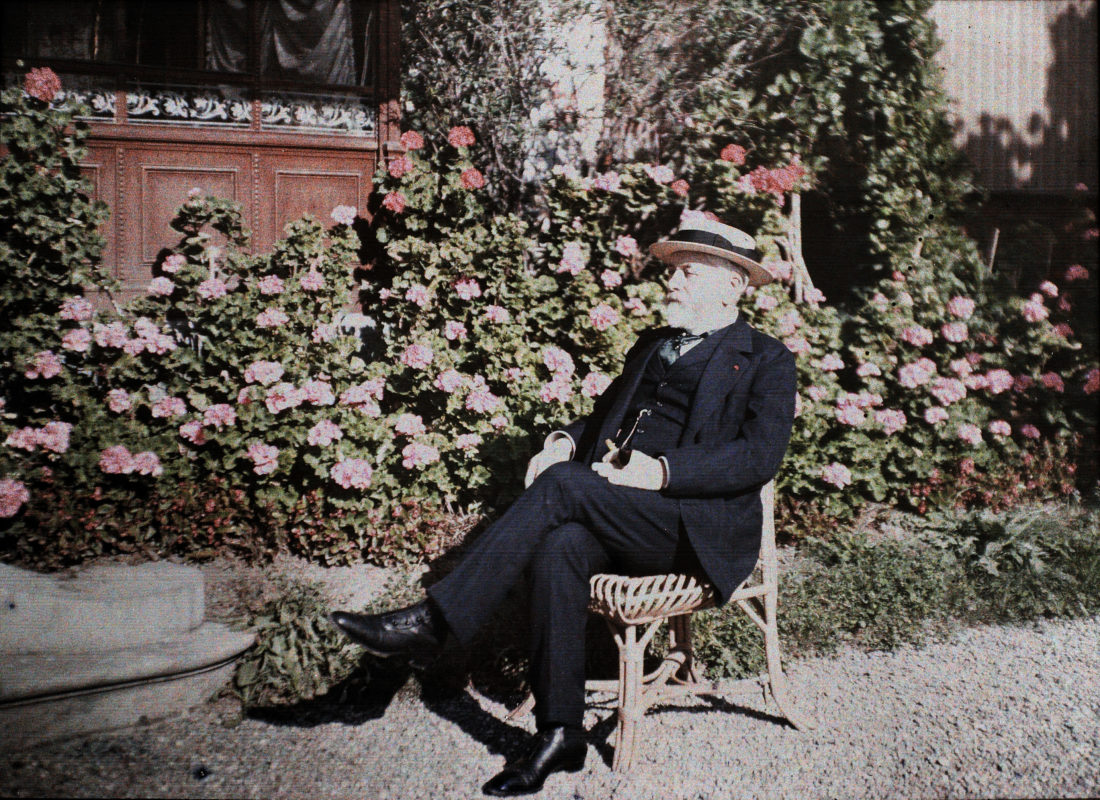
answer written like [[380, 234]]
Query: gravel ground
[[996, 712]]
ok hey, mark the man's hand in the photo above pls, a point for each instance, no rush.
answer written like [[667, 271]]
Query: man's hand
[[640, 472], [557, 451]]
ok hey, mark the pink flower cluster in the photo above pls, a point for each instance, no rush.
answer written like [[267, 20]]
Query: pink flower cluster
[[497, 314], [611, 278], [417, 356], [467, 288], [352, 473], [635, 306], [418, 454], [46, 365], [603, 317], [78, 340], [948, 390], [917, 374], [955, 331], [460, 136], [13, 494], [999, 427], [892, 420], [594, 384], [76, 309], [733, 153], [118, 400], [471, 178], [1048, 288], [42, 83], [212, 289], [324, 433], [113, 335], [917, 335], [409, 425], [480, 400], [774, 181], [935, 415], [161, 286], [969, 433], [53, 436], [271, 284], [850, 415], [961, 307], [449, 381], [1092, 381], [318, 392], [467, 442], [868, 370], [680, 187], [193, 432], [395, 202], [797, 345], [1052, 381], [837, 474], [265, 458], [573, 259], [1075, 272], [169, 407], [1034, 310], [282, 396], [626, 246], [219, 415], [831, 362], [998, 381], [411, 140], [265, 372], [418, 295], [173, 263], [558, 362], [272, 318], [345, 215], [118, 460], [788, 322], [312, 281], [454, 331]]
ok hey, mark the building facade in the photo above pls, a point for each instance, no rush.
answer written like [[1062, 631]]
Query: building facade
[[282, 105]]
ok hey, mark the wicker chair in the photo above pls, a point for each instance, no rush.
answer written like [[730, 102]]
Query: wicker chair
[[634, 609]]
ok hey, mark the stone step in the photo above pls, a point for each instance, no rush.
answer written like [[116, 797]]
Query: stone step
[[102, 608], [51, 695]]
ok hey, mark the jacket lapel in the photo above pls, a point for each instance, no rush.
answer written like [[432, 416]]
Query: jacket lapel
[[727, 364]]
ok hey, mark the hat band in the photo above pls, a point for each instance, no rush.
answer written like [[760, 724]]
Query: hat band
[[713, 240]]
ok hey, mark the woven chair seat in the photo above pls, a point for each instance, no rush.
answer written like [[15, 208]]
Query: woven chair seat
[[637, 601]]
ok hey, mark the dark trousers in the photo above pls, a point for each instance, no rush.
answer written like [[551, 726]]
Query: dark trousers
[[569, 524]]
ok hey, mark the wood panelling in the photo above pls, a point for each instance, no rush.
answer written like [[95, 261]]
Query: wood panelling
[[144, 181]]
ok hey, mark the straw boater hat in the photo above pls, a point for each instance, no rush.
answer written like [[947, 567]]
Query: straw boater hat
[[716, 239]]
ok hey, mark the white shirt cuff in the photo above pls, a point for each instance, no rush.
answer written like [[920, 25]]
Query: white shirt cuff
[[664, 471], [557, 436]]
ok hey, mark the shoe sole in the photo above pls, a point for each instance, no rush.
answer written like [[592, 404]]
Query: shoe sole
[[569, 766]]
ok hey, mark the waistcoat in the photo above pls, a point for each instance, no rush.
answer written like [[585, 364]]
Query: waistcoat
[[667, 392]]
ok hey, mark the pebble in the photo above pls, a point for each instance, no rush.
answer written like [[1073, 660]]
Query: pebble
[[995, 712]]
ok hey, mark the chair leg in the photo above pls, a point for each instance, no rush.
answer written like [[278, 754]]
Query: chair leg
[[679, 639], [631, 702], [777, 681]]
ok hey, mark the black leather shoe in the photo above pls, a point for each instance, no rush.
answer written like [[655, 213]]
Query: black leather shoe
[[415, 633], [558, 749]]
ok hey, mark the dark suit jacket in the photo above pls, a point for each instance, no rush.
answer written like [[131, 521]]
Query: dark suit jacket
[[737, 432]]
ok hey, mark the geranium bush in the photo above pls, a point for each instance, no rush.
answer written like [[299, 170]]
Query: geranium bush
[[236, 405]]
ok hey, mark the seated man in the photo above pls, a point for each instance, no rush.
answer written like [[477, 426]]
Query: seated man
[[663, 476]]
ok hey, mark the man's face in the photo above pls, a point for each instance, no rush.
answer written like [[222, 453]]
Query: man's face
[[701, 291]]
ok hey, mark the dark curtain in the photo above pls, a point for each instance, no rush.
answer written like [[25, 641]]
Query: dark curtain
[[306, 40]]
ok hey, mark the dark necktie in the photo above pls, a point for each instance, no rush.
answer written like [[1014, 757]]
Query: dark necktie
[[670, 348]]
